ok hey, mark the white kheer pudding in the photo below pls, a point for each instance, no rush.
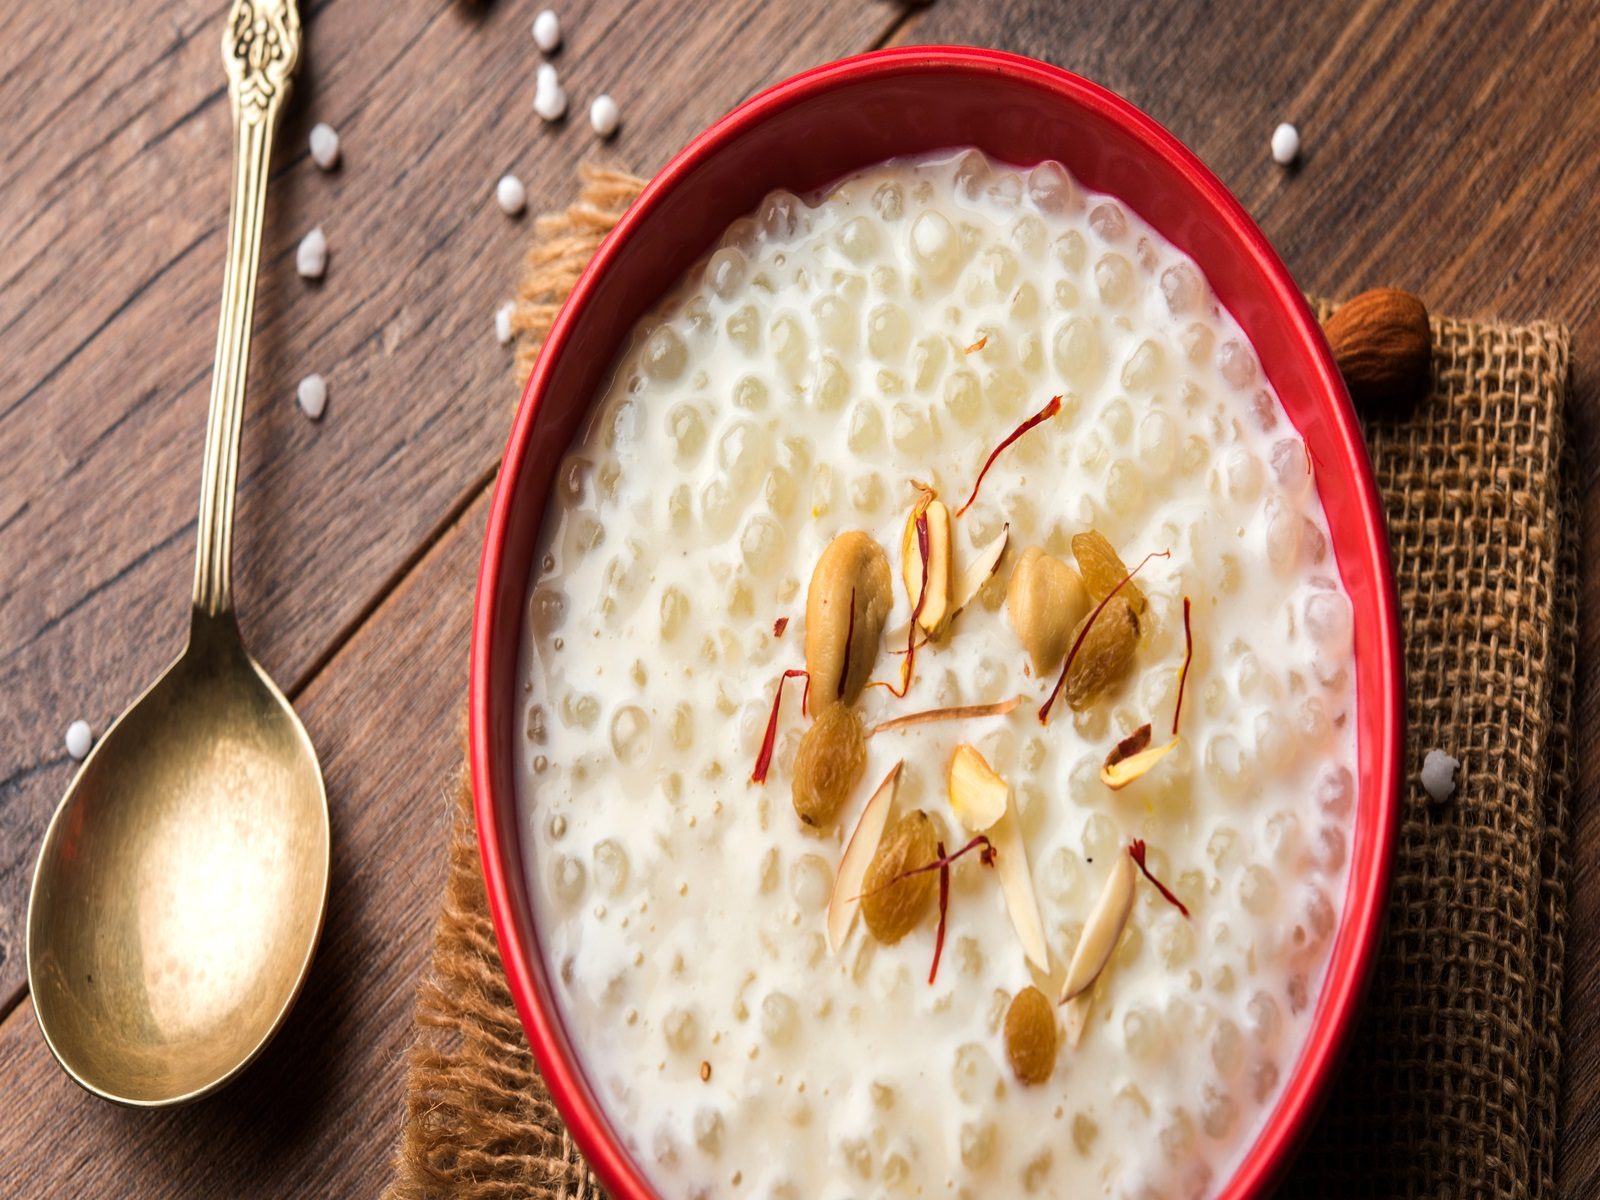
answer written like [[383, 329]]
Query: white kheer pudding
[[830, 352]]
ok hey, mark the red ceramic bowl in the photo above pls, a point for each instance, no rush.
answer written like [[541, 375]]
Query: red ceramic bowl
[[800, 135]]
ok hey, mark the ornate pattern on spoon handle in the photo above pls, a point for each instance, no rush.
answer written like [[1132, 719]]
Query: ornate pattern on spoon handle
[[260, 49]]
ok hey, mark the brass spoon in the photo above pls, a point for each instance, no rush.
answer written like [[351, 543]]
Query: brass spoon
[[181, 885]]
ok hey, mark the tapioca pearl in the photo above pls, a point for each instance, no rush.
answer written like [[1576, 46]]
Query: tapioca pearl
[[1258, 890], [822, 490], [912, 429], [1243, 474], [1263, 1018], [1101, 840], [888, 333], [999, 269], [1108, 221], [971, 174], [889, 383], [1198, 343], [976, 1142], [743, 328], [1124, 487], [1227, 1048], [742, 456], [1114, 280], [1329, 621], [680, 509], [858, 240], [1224, 761], [1174, 939], [889, 202], [1077, 352], [1158, 442], [1285, 530], [687, 429], [780, 1018], [751, 394], [1092, 453], [1313, 922], [831, 387], [1237, 364], [865, 431], [929, 359], [1090, 723], [1292, 468], [936, 251], [1030, 237], [1024, 307], [1274, 742], [1328, 850], [1183, 288], [664, 355], [720, 508], [1052, 190], [568, 880], [810, 880], [1116, 418], [1311, 723], [1145, 368], [867, 492], [781, 217], [708, 1129], [1282, 839], [885, 280], [790, 346], [838, 323], [761, 543], [630, 735], [975, 1076], [547, 609], [1334, 790], [1062, 875], [1064, 295], [726, 272]]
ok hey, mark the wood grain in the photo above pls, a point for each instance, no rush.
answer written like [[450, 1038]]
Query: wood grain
[[113, 178], [1449, 148]]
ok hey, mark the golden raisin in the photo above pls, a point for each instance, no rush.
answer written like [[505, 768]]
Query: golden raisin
[[892, 901], [1103, 569], [1106, 654], [829, 763], [1031, 1036]]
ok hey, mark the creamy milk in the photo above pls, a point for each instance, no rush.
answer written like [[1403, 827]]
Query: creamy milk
[[789, 390]]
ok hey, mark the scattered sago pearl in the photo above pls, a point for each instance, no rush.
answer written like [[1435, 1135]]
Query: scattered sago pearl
[[1439, 775], [510, 195], [502, 323], [80, 739], [549, 99], [324, 146], [604, 116], [547, 31], [311, 257], [312, 396], [1285, 144]]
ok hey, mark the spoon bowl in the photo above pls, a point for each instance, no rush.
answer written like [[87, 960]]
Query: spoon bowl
[[182, 882]]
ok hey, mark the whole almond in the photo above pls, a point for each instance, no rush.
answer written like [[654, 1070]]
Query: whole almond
[[1046, 600], [846, 605], [1383, 346]]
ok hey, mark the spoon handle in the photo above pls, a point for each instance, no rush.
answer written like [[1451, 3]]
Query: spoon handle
[[260, 48]]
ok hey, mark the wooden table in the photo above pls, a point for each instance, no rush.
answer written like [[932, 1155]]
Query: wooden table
[[1449, 148]]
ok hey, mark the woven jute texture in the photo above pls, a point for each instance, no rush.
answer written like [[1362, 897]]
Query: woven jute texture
[[1450, 1085]]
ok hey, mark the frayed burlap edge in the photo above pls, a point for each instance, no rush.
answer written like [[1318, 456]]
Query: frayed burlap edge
[[1451, 1084]]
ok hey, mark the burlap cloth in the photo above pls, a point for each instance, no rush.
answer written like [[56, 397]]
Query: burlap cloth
[[1451, 1083]]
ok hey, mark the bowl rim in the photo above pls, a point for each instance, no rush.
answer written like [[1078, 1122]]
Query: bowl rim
[[1366, 898]]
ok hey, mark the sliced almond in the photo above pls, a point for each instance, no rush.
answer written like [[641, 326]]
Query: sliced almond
[[1016, 884], [858, 851], [983, 565], [1101, 931], [1121, 770], [1075, 1017], [936, 609], [977, 795]]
